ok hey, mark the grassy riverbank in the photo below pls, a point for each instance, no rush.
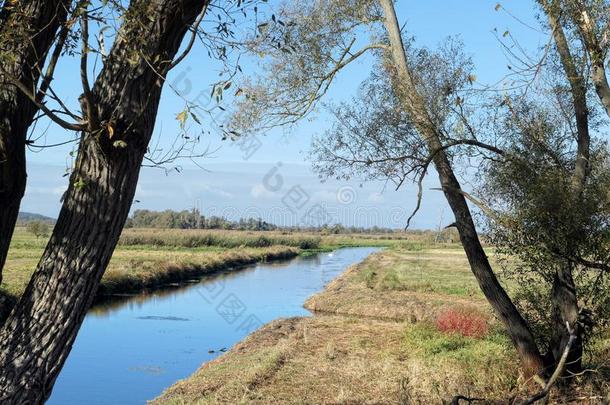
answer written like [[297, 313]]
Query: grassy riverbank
[[136, 268], [147, 258], [404, 326]]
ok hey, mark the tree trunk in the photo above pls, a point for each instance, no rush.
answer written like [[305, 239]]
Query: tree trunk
[[517, 327], [565, 309], [39, 333], [591, 39], [23, 59], [563, 293]]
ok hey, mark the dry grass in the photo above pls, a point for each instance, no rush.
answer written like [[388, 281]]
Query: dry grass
[[195, 238], [135, 274], [380, 344], [191, 238], [339, 360], [385, 351]]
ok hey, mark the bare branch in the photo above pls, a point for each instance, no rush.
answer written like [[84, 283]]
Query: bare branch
[[89, 109], [59, 46], [191, 42], [482, 206], [59, 121], [420, 194], [456, 400]]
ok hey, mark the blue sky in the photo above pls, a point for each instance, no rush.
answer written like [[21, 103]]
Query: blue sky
[[233, 185]]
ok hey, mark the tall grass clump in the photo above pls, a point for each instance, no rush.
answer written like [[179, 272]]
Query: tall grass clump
[[224, 239]]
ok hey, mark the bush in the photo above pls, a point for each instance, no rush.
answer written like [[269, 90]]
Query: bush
[[38, 228], [463, 321]]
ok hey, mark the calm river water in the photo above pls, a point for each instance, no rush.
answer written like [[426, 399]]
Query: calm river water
[[130, 350]]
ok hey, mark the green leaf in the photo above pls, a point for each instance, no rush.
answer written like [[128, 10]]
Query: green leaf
[[80, 183]]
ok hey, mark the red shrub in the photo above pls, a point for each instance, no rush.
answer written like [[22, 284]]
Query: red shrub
[[464, 321]]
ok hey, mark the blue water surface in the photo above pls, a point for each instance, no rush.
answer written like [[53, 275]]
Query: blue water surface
[[128, 351]]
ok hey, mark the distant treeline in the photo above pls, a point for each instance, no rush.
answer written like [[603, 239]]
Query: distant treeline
[[193, 219]]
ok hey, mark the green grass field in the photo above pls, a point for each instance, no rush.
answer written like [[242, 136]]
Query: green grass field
[[148, 257]]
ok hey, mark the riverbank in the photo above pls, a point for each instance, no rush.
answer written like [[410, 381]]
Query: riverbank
[[403, 285], [138, 267], [146, 342], [404, 326], [133, 271], [150, 258]]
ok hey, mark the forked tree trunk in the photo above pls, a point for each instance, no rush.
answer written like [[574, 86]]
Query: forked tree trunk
[[39, 333], [515, 324], [38, 21], [563, 293]]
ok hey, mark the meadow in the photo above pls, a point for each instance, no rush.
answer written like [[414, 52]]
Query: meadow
[[407, 325]]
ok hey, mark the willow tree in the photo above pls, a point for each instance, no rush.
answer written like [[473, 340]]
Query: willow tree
[[568, 192], [559, 211], [429, 102], [119, 112], [28, 30]]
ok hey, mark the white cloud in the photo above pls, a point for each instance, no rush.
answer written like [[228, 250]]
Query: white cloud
[[259, 191], [238, 190], [329, 196], [375, 197], [217, 191]]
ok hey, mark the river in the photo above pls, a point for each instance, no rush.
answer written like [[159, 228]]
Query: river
[[130, 349]]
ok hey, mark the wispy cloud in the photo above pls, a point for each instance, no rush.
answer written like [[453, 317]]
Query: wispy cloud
[[259, 191]]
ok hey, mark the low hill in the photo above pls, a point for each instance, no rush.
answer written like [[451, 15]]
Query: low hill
[[25, 217]]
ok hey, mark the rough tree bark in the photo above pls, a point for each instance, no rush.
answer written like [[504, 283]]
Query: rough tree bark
[[593, 44], [23, 60], [39, 333], [517, 327], [563, 293]]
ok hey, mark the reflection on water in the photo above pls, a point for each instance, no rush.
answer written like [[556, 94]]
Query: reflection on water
[[134, 301], [129, 349]]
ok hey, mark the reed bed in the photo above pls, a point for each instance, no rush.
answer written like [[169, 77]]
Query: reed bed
[[194, 238]]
